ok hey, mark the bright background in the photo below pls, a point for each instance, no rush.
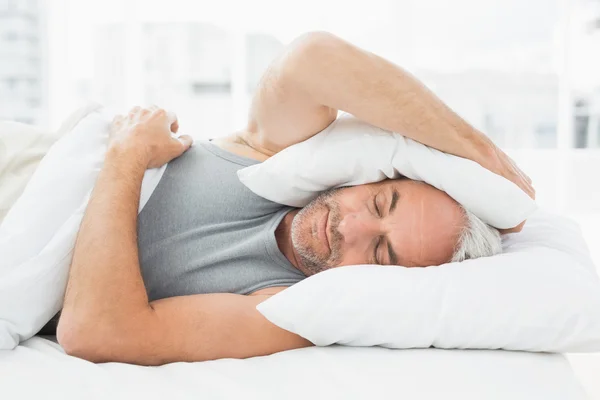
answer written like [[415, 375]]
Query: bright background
[[527, 73]]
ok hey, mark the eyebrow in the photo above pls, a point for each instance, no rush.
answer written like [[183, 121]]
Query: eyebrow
[[395, 196], [391, 253]]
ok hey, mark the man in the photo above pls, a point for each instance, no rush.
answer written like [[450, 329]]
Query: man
[[181, 281]]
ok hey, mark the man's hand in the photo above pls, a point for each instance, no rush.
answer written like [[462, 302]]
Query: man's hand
[[146, 134], [495, 160], [499, 163]]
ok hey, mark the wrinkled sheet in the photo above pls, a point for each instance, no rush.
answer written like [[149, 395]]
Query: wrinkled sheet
[[39, 369]]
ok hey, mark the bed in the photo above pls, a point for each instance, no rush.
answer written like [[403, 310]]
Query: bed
[[39, 369]]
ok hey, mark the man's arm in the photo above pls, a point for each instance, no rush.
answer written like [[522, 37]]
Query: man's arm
[[186, 328], [106, 315], [319, 73]]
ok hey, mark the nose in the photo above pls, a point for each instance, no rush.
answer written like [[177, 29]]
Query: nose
[[357, 227]]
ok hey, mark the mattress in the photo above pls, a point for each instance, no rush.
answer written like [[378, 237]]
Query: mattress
[[39, 369]]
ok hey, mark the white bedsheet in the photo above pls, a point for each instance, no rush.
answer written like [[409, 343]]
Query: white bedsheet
[[39, 369]]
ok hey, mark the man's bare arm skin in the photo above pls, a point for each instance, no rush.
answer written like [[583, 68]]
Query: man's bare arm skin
[[319, 73], [106, 315]]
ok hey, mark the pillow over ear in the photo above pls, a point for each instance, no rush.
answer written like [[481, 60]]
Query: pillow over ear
[[22, 147], [352, 152]]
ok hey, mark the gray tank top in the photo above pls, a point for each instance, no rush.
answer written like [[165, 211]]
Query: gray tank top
[[202, 231]]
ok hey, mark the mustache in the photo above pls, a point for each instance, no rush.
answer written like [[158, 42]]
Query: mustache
[[335, 218]]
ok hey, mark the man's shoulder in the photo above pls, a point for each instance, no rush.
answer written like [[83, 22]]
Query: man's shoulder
[[237, 144]]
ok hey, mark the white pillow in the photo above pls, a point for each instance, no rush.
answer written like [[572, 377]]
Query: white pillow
[[38, 234], [542, 294], [22, 147], [351, 152]]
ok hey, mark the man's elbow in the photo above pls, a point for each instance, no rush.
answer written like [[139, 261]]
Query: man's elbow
[[315, 41], [309, 51], [108, 341], [95, 340], [77, 341]]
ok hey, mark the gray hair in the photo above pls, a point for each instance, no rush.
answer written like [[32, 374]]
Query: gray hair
[[477, 239]]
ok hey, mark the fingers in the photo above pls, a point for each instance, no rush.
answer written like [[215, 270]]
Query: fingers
[[520, 178], [172, 121], [521, 183], [175, 126], [527, 181], [514, 176], [524, 184], [186, 141], [513, 162], [521, 172], [181, 145], [171, 117], [138, 114], [134, 111]]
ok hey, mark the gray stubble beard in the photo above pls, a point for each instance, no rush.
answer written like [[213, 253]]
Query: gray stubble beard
[[309, 259]]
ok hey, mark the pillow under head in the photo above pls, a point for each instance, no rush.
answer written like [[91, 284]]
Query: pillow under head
[[542, 294]]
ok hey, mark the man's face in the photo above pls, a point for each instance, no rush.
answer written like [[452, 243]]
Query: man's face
[[394, 222]]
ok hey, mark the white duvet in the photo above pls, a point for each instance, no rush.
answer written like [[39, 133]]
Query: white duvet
[[38, 369]]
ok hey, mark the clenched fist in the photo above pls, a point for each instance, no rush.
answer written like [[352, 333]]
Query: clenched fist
[[147, 135]]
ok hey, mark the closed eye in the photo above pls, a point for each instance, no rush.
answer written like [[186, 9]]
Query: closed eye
[[375, 260], [376, 206]]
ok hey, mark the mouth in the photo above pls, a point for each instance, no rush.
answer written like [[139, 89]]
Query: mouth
[[324, 231]]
